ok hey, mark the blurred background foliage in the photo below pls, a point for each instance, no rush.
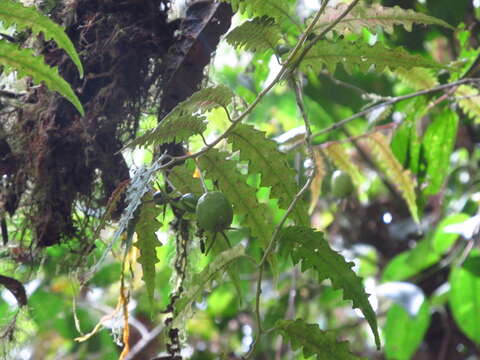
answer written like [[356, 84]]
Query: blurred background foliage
[[424, 278]]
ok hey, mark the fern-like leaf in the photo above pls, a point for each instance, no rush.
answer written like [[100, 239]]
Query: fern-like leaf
[[315, 342], [241, 195], [175, 127], [263, 157], [202, 281], [468, 99], [316, 186], [417, 78], [207, 99], [310, 248], [181, 177], [147, 243], [278, 10], [26, 63], [378, 146], [361, 56], [259, 34], [135, 192], [370, 17], [14, 13], [185, 120], [342, 160]]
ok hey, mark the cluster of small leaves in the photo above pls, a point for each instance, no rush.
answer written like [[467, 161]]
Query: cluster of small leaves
[[25, 61]]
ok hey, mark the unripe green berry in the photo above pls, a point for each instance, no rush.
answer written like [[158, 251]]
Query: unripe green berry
[[342, 185], [214, 212]]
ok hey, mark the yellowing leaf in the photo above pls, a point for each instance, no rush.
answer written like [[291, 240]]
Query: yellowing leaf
[[342, 160], [377, 145], [469, 101], [417, 78]]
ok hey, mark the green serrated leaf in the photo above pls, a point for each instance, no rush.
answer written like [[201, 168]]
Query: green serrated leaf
[[417, 78], [173, 128], [203, 280], [438, 143], [308, 247], [182, 179], [315, 342], [373, 16], [342, 160], [263, 157], [259, 34], [147, 243], [14, 13], [404, 333], [185, 120], [465, 296], [207, 99], [235, 188], [468, 101], [26, 63], [278, 10], [362, 57], [377, 145]]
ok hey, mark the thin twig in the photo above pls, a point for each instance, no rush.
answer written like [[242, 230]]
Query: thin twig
[[392, 101], [278, 228]]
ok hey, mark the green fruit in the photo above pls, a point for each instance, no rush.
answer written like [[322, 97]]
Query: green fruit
[[214, 212], [189, 202], [342, 185], [159, 198]]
